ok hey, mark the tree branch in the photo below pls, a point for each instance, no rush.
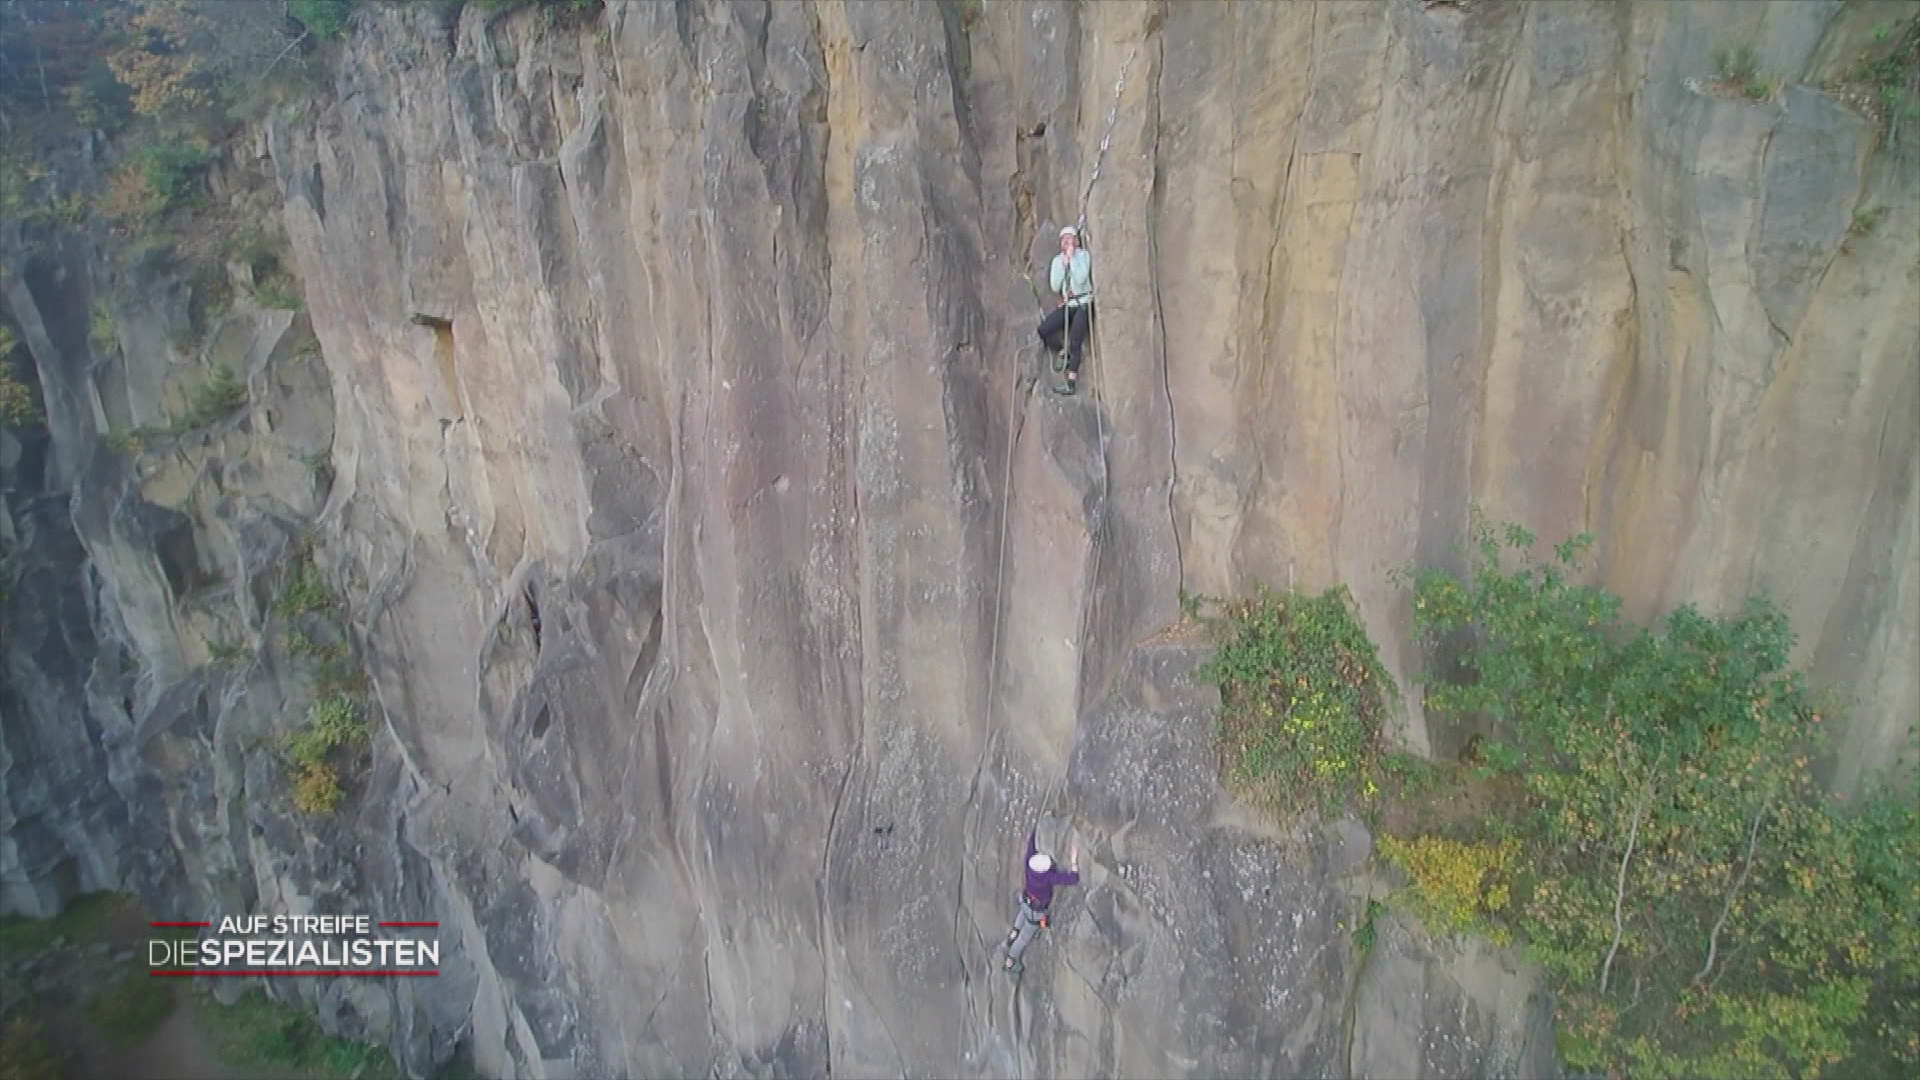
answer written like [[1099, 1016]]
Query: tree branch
[[291, 45], [1620, 885], [1713, 939]]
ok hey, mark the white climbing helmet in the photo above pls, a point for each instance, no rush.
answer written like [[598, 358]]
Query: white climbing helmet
[[1039, 864], [1070, 231]]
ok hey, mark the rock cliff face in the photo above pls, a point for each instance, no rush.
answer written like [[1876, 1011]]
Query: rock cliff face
[[732, 603]]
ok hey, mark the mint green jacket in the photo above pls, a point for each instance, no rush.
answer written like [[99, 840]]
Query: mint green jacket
[[1073, 282]]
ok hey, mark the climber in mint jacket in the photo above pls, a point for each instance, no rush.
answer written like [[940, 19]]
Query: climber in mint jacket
[[1043, 876], [1071, 279]]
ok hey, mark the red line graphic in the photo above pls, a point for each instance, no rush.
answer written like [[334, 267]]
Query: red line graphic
[[189, 973], [408, 924], [173, 925]]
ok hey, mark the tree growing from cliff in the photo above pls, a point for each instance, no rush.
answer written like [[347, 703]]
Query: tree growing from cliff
[[1703, 908], [179, 56]]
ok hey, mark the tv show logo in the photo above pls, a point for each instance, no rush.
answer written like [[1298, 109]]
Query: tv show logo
[[296, 946]]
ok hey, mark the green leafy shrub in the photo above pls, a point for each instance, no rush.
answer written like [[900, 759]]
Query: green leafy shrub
[[272, 294], [221, 394], [16, 399], [101, 334], [131, 442], [306, 590], [1864, 221], [222, 652], [1737, 70], [1368, 931], [1735, 66], [332, 722], [1889, 71], [131, 1009], [1702, 908], [1458, 886], [300, 644], [316, 788], [172, 172], [1303, 695], [324, 19]]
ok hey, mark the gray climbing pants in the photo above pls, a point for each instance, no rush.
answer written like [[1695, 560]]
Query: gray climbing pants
[[1026, 927]]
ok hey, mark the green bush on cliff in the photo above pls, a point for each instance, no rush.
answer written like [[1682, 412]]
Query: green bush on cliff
[[332, 722], [1702, 908], [1302, 695], [1888, 70], [324, 19], [102, 335], [306, 589], [221, 394]]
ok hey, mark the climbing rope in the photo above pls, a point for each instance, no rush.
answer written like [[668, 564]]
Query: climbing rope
[[1015, 414], [1093, 334], [1080, 228], [1015, 420], [1106, 137]]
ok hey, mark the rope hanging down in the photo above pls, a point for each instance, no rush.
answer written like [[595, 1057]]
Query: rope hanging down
[[1015, 414], [1093, 339], [1106, 137]]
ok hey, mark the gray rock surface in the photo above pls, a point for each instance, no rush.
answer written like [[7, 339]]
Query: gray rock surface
[[1456, 1007], [730, 608]]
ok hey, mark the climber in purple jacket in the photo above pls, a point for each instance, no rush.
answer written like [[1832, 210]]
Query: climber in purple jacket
[[1042, 877]]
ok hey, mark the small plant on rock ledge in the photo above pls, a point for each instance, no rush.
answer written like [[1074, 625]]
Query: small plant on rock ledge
[[1368, 931], [1737, 71], [218, 396], [332, 722], [306, 590], [1864, 220], [100, 329], [226, 652], [278, 295], [16, 400], [1884, 82]]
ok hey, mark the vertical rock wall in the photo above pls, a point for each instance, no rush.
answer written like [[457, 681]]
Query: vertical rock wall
[[733, 604]]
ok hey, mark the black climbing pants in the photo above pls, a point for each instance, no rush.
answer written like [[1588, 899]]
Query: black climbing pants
[[1075, 321]]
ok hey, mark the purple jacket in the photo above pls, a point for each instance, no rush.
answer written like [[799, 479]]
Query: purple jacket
[[1040, 886]]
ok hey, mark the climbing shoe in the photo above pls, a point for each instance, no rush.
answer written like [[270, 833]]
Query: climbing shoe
[[1060, 361], [1013, 967], [1065, 388]]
